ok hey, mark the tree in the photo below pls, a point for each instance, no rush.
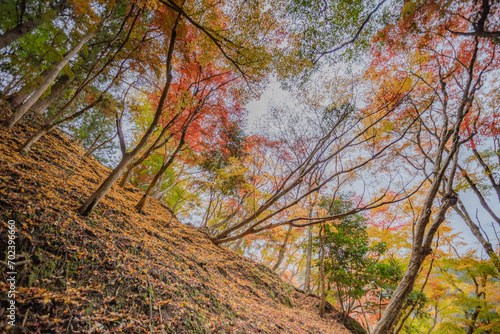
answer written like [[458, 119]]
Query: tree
[[53, 73], [30, 14], [356, 274], [245, 56], [439, 72], [310, 164], [127, 157]]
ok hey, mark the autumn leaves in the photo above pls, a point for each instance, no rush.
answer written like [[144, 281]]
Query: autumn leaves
[[157, 90]]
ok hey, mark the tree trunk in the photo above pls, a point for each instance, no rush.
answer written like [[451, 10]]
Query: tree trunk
[[307, 278], [157, 191], [237, 245], [16, 99], [51, 75], [322, 271], [282, 251], [99, 194], [126, 177], [52, 123], [56, 91], [156, 144], [17, 32], [19, 97], [421, 248], [26, 147], [471, 326], [142, 202]]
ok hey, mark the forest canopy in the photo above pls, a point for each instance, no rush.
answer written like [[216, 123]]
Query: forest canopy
[[371, 179]]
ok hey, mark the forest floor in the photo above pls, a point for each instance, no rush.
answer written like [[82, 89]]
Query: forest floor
[[121, 271]]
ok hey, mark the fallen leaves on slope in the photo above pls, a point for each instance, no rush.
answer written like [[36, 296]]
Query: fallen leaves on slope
[[100, 273]]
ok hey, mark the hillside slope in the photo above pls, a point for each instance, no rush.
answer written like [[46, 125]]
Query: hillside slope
[[100, 274]]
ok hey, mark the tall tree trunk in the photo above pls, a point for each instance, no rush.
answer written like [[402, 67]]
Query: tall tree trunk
[[282, 251], [322, 271], [424, 230], [471, 325], [61, 85], [51, 75], [421, 248], [126, 176], [128, 157], [156, 192], [52, 123], [142, 202], [18, 31], [26, 27], [99, 194], [237, 245], [307, 278], [156, 145], [21, 95]]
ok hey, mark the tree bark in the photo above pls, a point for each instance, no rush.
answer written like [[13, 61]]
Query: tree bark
[[322, 271], [126, 176], [21, 95], [421, 248], [52, 74], [282, 251], [17, 32], [56, 91], [99, 194], [307, 278], [52, 123], [142, 202], [424, 230], [471, 326], [149, 151]]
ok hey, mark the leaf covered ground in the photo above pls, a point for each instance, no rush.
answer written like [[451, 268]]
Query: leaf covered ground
[[121, 271]]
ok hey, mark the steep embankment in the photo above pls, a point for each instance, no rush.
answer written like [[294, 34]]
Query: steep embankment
[[119, 271]]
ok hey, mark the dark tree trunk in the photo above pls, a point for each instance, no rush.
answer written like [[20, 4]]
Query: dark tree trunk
[[307, 279], [282, 251], [61, 85], [322, 271], [17, 32], [20, 96]]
